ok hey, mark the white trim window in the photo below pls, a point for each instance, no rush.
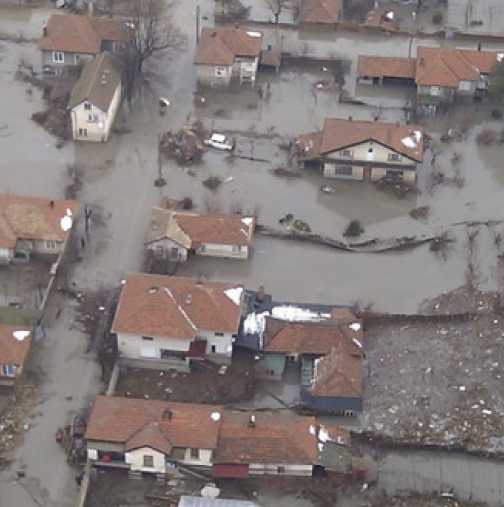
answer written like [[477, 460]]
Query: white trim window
[[58, 57], [394, 157]]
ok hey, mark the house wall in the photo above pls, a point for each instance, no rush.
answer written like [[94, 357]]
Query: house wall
[[94, 121], [219, 250], [331, 403], [168, 249], [271, 366], [135, 459], [105, 446], [408, 176], [276, 469], [208, 74], [135, 347], [47, 247], [205, 458], [330, 170], [245, 69], [69, 59], [223, 344], [426, 93]]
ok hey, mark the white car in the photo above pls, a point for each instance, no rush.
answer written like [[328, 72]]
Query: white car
[[220, 142]]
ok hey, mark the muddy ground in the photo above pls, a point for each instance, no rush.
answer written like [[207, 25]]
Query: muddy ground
[[203, 385]]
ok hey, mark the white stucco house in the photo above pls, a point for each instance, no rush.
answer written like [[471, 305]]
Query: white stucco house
[[95, 99], [225, 54], [176, 234], [363, 150], [34, 226], [169, 321]]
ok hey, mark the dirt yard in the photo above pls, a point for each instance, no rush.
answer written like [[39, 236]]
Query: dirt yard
[[203, 385]]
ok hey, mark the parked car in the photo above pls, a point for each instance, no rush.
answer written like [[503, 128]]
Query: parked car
[[220, 142]]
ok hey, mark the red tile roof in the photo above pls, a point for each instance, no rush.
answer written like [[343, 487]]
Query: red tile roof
[[337, 134], [377, 18], [386, 66], [32, 218], [158, 424], [320, 11], [174, 307], [81, 34], [220, 46], [275, 439], [12, 350]]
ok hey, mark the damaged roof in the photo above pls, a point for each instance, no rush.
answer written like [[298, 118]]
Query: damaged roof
[[157, 424], [176, 307], [269, 440], [320, 11], [74, 33], [338, 134], [192, 229], [220, 46], [34, 218], [15, 344], [97, 84]]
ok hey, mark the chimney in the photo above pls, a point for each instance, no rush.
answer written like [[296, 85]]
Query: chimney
[[167, 414], [51, 204], [350, 118], [252, 421]]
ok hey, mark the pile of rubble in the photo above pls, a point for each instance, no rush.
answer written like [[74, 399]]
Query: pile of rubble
[[437, 381], [185, 146]]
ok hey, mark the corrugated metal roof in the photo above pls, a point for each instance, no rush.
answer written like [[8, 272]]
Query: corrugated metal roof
[[197, 501]]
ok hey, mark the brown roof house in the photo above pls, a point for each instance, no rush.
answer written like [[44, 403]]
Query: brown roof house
[[71, 39], [175, 234], [313, 347], [95, 99], [319, 12], [170, 320], [156, 436], [363, 150], [15, 344], [34, 226], [440, 74], [224, 54]]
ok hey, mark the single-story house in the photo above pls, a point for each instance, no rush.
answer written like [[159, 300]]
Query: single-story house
[[34, 226], [200, 501], [95, 99], [319, 13], [440, 74], [175, 234], [70, 39], [225, 53], [155, 436], [15, 345], [170, 320], [363, 150]]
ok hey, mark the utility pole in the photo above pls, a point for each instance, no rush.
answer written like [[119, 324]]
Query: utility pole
[[197, 23]]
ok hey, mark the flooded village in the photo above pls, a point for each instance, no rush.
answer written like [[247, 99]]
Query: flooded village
[[251, 253]]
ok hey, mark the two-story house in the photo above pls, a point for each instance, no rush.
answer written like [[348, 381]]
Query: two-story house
[[224, 54], [176, 234], [168, 320], [95, 99], [15, 345], [363, 150], [34, 226], [70, 40]]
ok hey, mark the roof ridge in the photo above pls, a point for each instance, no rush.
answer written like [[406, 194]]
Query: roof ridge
[[167, 291]]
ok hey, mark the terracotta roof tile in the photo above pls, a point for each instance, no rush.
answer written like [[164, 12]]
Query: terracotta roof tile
[[81, 34], [385, 66], [176, 307], [274, 439], [32, 218], [376, 18], [138, 422], [12, 350], [320, 11], [200, 228], [220, 46]]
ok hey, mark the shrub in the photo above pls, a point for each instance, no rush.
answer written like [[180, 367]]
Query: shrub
[[354, 229], [212, 182]]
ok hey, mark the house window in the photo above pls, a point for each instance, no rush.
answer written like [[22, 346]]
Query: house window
[[148, 338], [174, 253], [9, 370], [343, 170], [371, 147], [346, 154], [435, 90], [281, 470], [82, 132], [194, 453], [87, 106], [51, 244], [58, 57], [219, 334], [148, 461], [220, 71], [394, 157], [213, 349]]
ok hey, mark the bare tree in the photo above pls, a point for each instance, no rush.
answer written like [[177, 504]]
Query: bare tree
[[276, 7], [152, 32]]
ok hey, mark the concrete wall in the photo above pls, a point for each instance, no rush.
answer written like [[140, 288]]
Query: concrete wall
[[276, 469], [94, 121], [444, 95], [209, 74], [135, 458]]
